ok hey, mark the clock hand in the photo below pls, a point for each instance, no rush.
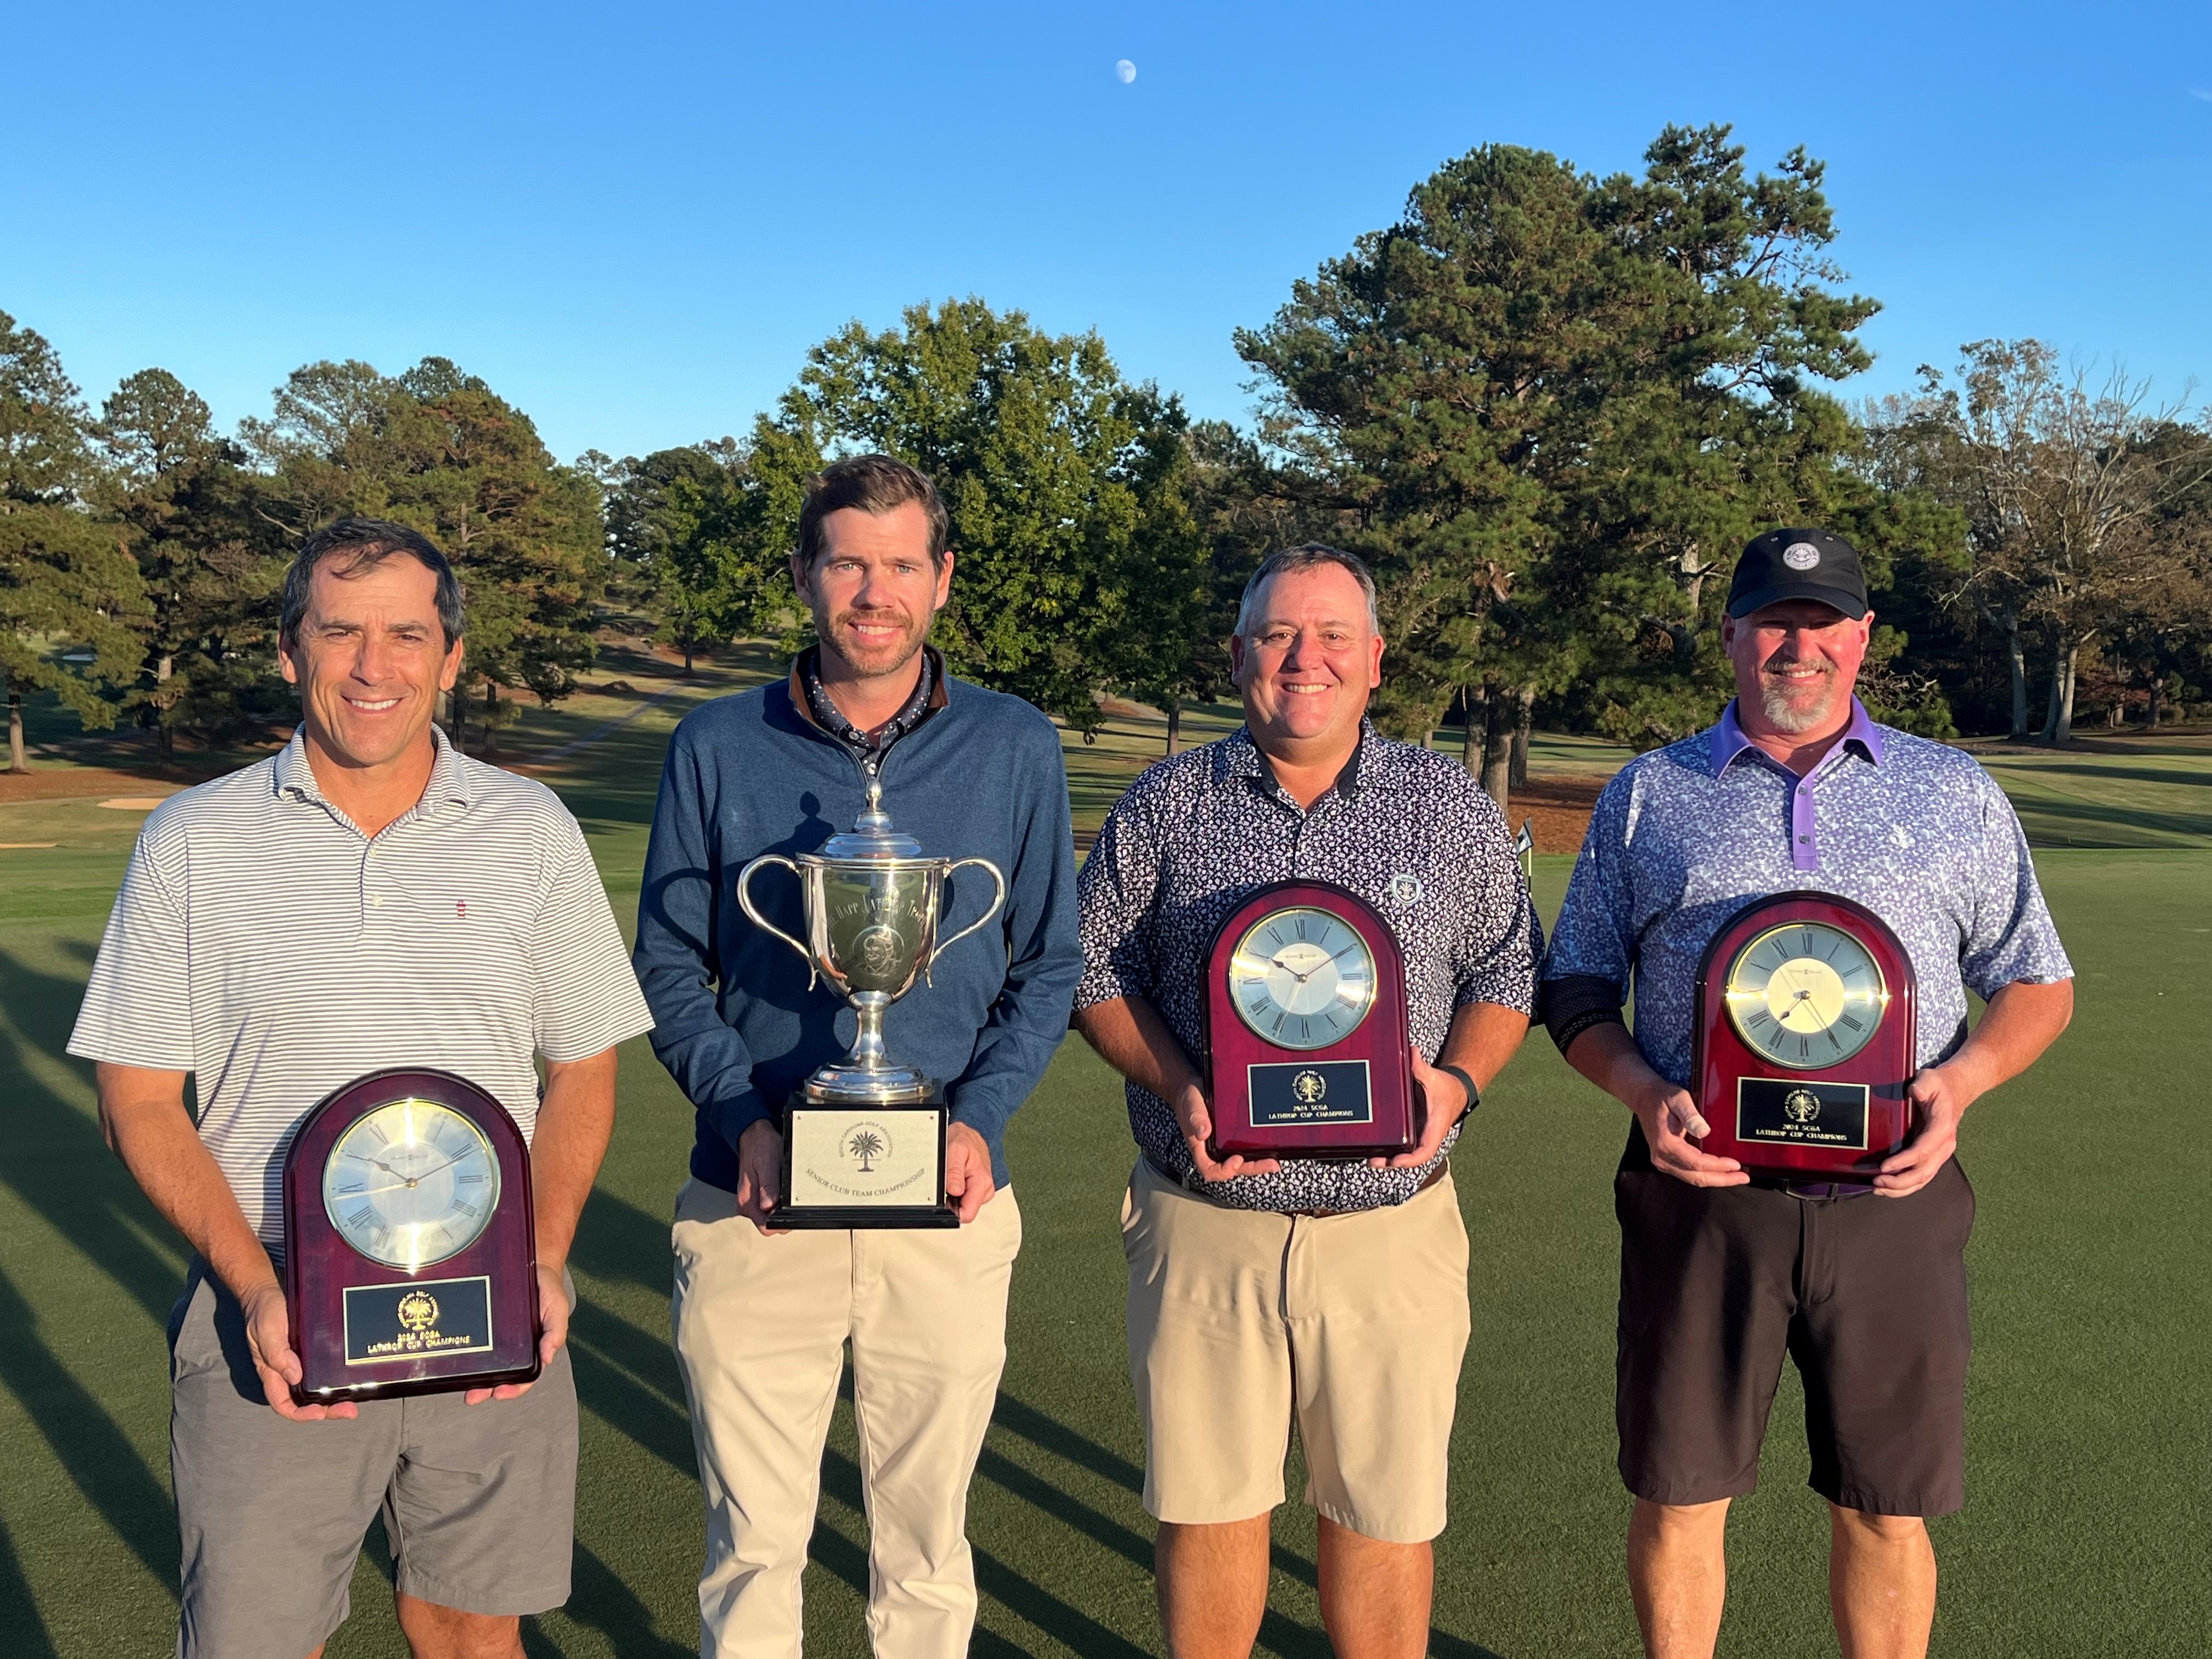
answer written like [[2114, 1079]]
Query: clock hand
[[448, 1164]]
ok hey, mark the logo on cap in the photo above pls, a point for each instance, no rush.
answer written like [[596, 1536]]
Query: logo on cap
[[1800, 555]]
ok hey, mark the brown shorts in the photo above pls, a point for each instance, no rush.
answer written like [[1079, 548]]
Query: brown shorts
[[1867, 1295]]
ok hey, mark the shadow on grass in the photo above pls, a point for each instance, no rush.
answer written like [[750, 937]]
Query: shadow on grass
[[2070, 811], [59, 1170], [21, 1631], [58, 1165], [97, 1456], [607, 1389], [1063, 1621], [600, 1600], [616, 1240], [597, 1599]]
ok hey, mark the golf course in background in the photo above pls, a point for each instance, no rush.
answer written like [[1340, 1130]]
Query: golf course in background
[[2089, 1437]]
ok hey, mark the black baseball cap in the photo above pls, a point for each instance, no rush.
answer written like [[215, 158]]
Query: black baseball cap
[[1798, 564]]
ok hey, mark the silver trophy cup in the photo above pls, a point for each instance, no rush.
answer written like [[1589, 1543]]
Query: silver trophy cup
[[870, 902]]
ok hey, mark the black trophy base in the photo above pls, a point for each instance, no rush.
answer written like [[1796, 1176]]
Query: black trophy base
[[850, 1164]]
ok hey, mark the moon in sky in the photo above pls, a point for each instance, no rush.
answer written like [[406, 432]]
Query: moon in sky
[[1125, 71]]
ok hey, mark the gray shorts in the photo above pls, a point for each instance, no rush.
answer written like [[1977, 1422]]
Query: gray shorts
[[478, 1501]]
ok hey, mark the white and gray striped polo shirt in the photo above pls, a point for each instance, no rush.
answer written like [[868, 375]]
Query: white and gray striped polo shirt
[[263, 944]]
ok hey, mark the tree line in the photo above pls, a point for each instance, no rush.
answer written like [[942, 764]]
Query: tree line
[[1548, 407]]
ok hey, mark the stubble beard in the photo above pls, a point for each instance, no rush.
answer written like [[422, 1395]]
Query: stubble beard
[[882, 662]]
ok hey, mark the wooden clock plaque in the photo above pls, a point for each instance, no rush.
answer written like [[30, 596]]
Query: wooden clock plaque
[[410, 1245], [1306, 1027], [1805, 1038]]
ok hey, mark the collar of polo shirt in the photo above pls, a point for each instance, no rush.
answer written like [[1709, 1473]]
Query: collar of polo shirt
[[1730, 741], [1241, 757], [295, 776]]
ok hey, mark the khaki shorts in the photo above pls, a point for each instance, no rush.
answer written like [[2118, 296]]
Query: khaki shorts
[[1238, 1319], [478, 1501]]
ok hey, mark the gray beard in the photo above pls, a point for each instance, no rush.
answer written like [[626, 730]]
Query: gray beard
[[1785, 716]]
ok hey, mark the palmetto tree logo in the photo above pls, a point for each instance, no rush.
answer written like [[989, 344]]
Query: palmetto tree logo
[[867, 1142]]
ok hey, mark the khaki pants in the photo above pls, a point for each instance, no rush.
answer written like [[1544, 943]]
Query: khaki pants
[[1241, 1320], [761, 1328]]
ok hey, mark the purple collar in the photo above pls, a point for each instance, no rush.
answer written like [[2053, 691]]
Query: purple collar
[[1728, 740]]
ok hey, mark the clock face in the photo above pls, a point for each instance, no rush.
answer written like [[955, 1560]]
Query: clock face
[[1806, 994], [411, 1183], [1301, 978]]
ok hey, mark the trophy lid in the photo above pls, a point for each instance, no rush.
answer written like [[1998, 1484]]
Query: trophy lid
[[871, 835]]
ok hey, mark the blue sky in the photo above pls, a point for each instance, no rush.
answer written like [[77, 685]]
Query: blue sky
[[633, 222]]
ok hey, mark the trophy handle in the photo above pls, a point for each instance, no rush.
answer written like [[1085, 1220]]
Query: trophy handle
[[745, 903], [998, 903]]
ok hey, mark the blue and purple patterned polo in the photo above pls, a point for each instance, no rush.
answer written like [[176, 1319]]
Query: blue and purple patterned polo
[[1915, 830]]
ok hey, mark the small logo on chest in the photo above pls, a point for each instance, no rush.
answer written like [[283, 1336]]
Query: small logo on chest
[[1405, 889], [461, 909]]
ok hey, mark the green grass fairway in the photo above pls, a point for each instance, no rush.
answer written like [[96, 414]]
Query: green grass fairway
[[2086, 1517]]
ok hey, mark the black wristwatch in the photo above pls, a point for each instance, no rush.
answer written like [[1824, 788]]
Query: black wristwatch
[[1473, 1094]]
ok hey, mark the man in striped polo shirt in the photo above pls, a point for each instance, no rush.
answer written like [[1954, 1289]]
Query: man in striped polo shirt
[[367, 897]]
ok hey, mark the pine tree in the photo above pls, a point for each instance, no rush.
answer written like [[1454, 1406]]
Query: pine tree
[[71, 601]]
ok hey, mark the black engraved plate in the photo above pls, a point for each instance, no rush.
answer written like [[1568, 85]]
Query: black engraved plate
[[1794, 1112], [385, 1322], [1296, 1093]]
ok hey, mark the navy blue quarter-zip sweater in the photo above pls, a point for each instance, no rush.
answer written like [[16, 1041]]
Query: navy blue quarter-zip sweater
[[734, 1020]]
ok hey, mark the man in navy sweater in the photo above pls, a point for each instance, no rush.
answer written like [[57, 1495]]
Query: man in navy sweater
[[763, 1315]]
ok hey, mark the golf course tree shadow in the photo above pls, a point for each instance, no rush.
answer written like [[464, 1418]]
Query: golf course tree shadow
[[1060, 1619], [58, 1165], [600, 1600], [23, 1634], [1277, 1633], [1048, 1434], [609, 1355], [93, 1451], [616, 1240], [2093, 823]]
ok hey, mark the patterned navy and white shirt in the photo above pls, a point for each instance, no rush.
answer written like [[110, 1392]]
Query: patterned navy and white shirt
[[1404, 828], [1915, 830], [869, 747]]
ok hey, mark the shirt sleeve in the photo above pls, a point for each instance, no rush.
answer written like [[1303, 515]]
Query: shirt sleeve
[[1501, 941], [2009, 934], [138, 1009], [1029, 1018], [1114, 895], [585, 996], [679, 968], [1594, 936]]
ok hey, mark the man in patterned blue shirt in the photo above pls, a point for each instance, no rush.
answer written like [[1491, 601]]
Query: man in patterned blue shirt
[[1720, 1273]]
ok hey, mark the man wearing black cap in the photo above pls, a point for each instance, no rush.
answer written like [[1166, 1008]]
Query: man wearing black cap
[[1723, 1273]]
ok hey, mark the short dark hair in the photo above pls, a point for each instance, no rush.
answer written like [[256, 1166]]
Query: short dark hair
[[359, 544], [1306, 556], [875, 484]]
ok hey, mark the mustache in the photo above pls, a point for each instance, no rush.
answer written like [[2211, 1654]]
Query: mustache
[[1776, 664]]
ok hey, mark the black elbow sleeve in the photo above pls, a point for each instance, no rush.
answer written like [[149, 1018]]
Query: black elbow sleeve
[[1572, 1003]]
